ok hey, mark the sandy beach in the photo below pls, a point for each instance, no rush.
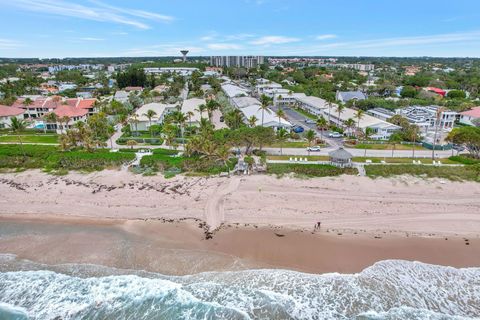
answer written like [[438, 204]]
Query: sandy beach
[[187, 225]]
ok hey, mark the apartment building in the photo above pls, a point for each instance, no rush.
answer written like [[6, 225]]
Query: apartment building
[[236, 61]]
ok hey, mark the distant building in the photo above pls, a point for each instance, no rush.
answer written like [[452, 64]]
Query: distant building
[[345, 96], [467, 117], [236, 61], [178, 70]]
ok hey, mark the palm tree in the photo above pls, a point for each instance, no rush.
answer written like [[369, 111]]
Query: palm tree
[[349, 124], [368, 133], [201, 109], [180, 119], [310, 136], [322, 124], [280, 114], [359, 116], [150, 114], [65, 120], [265, 102], [189, 115], [394, 139], [26, 103], [17, 126], [252, 121], [50, 118], [211, 106], [281, 137], [134, 120], [223, 154], [340, 109]]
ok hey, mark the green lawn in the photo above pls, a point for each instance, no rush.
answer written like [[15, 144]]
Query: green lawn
[[470, 173], [30, 138], [363, 159], [310, 158], [381, 146], [309, 170]]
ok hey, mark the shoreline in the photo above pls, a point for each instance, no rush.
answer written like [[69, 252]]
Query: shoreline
[[187, 225], [180, 247]]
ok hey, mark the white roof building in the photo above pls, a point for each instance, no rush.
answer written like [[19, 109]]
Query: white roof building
[[269, 117], [233, 91], [160, 109], [242, 102], [191, 105]]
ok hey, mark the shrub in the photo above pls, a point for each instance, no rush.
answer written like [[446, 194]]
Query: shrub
[[450, 173], [310, 170]]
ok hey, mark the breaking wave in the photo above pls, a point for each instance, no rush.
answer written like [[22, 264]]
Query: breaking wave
[[390, 289]]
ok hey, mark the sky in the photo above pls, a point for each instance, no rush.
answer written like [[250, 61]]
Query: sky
[[107, 28]]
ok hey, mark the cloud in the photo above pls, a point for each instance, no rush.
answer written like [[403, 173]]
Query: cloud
[[326, 36], [97, 12], [269, 40], [224, 46], [90, 39], [7, 44]]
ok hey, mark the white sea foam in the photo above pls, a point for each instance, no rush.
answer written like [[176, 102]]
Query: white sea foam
[[387, 290]]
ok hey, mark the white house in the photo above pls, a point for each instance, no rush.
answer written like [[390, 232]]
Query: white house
[[191, 105], [382, 129], [161, 111], [6, 113], [233, 91], [345, 96], [467, 117], [269, 118], [311, 104], [242, 102], [425, 117], [264, 86]]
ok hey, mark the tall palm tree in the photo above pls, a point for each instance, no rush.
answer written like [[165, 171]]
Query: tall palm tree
[[50, 118], [280, 114], [368, 133], [310, 136], [322, 124], [395, 139], [340, 109], [282, 135], [150, 114], [65, 120], [350, 124], [18, 126], [27, 103], [223, 154], [359, 115], [252, 121], [265, 103], [134, 120], [179, 119], [201, 109], [189, 115], [212, 105]]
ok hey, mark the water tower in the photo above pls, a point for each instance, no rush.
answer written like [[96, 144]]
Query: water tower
[[184, 53]]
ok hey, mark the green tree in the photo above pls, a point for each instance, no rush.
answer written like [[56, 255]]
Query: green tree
[[150, 114], [265, 103], [467, 136], [18, 126], [282, 135], [322, 124], [252, 121], [456, 94], [408, 92], [310, 136], [131, 143], [395, 139]]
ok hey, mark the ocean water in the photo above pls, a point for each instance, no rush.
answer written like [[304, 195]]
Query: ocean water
[[390, 289]]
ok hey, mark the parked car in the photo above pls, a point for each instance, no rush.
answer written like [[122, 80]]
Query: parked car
[[313, 149], [222, 118], [310, 121], [335, 135], [298, 129]]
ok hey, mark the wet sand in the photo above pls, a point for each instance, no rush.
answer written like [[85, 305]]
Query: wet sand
[[180, 247]]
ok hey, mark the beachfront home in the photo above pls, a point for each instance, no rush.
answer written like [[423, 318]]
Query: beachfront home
[[160, 109], [286, 98], [190, 109], [269, 118], [7, 113], [468, 117], [425, 117], [382, 130], [381, 113], [242, 102]]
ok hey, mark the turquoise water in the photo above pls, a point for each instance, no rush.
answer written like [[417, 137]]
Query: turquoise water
[[387, 290]]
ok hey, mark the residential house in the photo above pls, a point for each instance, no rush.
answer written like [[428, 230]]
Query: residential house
[[121, 96], [467, 117], [191, 105], [269, 118], [345, 96], [381, 113], [161, 111], [425, 117], [6, 113], [311, 104], [233, 91]]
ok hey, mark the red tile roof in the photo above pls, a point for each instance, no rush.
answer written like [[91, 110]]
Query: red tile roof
[[69, 111], [86, 103], [474, 113], [6, 111]]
